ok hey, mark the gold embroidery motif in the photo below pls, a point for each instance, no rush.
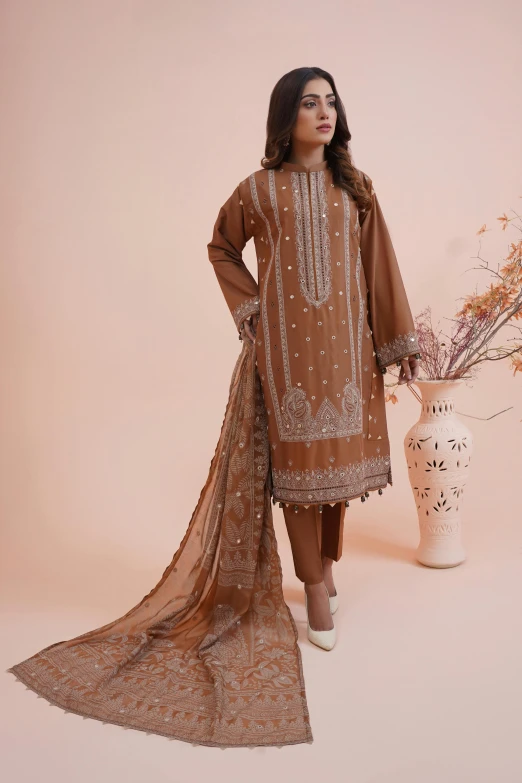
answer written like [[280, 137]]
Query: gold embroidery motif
[[401, 346], [347, 276], [294, 419], [300, 424], [210, 655], [331, 484], [313, 251], [245, 310]]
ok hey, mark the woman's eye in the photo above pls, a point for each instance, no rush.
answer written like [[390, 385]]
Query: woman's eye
[[312, 103]]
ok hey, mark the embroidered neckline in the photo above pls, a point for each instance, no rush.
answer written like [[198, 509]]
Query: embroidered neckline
[[285, 165]]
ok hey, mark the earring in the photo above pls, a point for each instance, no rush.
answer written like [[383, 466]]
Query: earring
[[287, 142]]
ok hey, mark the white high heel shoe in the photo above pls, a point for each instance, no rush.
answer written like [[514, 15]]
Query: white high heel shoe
[[324, 639], [334, 602]]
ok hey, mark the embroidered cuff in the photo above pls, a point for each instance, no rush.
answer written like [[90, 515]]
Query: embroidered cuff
[[245, 310], [403, 345]]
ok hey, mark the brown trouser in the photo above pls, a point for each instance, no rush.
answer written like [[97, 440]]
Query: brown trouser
[[314, 535]]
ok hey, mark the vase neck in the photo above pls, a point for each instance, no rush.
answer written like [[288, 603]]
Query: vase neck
[[438, 400]]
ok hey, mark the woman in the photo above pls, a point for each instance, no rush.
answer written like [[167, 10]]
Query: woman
[[210, 655], [328, 314]]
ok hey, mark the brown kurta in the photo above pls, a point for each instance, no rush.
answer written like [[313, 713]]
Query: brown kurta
[[333, 313]]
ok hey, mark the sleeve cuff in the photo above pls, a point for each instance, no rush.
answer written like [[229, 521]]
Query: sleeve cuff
[[403, 345], [245, 310]]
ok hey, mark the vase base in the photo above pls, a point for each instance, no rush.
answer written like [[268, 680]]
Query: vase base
[[444, 558], [440, 565]]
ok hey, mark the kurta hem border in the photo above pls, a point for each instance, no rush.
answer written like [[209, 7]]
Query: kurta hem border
[[289, 497]]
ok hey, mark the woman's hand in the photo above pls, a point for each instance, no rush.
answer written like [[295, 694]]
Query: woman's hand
[[249, 326], [410, 368]]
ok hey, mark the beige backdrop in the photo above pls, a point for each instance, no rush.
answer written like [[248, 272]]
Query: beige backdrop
[[125, 126]]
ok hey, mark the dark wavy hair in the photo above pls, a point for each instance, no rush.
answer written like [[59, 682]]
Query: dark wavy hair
[[282, 114]]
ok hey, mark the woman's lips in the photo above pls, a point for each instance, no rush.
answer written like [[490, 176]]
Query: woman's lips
[[324, 129]]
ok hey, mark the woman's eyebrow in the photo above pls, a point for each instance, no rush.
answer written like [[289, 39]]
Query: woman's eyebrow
[[314, 95]]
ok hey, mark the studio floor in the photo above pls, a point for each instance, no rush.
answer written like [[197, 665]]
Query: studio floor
[[423, 685]]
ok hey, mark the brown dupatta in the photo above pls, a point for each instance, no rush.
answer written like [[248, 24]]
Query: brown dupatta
[[210, 655]]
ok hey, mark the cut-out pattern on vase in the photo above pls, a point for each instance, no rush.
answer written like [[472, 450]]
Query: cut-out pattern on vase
[[438, 450]]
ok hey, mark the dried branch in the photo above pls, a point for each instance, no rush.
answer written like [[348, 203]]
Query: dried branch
[[458, 355]]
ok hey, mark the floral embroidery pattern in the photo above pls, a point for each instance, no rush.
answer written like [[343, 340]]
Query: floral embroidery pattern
[[273, 262], [210, 655], [301, 424], [313, 253], [332, 484], [347, 275], [295, 421], [245, 310], [401, 346]]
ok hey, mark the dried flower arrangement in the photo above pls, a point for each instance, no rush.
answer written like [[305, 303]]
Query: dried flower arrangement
[[455, 356]]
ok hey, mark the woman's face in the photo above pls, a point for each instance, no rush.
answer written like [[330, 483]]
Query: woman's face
[[316, 109]]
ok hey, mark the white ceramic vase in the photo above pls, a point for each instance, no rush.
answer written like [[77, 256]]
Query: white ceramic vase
[[438, 451]]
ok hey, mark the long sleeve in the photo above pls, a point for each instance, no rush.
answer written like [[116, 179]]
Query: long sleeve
[[392, 325], [232, 230]]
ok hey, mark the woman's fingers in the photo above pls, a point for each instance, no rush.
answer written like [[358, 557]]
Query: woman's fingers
[[404, 373], [246, 328], [409, 370], [415, 368], [249, 332]]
